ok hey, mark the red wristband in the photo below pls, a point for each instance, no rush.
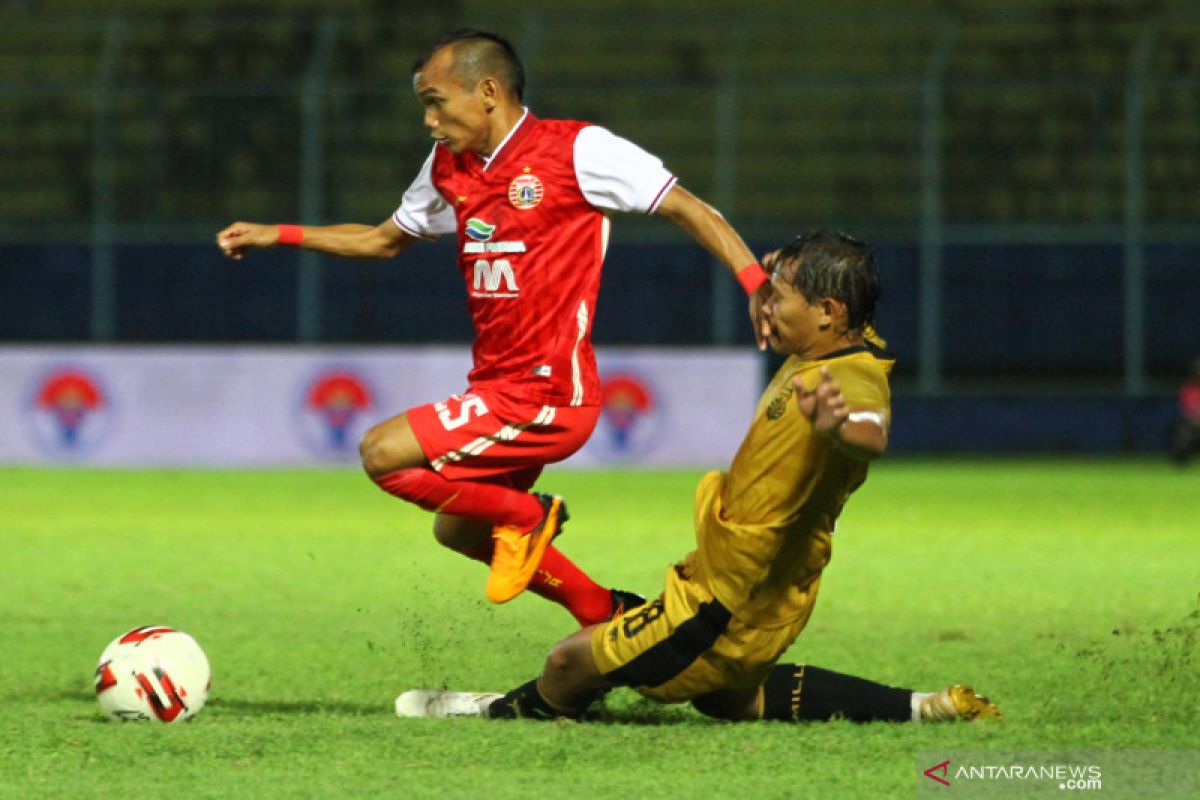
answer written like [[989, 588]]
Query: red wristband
[[751, 277], [291, 235]]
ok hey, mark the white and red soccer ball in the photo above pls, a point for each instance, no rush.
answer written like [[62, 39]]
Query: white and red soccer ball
[[153, 673]]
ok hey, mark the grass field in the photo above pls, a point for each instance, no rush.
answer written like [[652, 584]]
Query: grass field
[[1068, 591]]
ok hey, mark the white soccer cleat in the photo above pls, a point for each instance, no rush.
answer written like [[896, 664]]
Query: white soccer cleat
[[441, 703]]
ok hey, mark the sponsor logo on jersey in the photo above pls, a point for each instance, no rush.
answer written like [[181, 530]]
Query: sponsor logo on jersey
[[70, 412], [479, 230], [630, 416], [490, 274], [333, 411], [525, 191], [493, 247]]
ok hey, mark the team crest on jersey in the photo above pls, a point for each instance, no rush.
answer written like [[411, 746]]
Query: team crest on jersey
[[479, 230], [779, 404], [525, 191]]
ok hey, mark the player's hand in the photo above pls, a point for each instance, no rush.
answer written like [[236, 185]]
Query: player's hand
[[768, 261], [824, 405], [239, 237], [762, 326]]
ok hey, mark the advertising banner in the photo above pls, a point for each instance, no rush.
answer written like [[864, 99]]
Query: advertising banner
[[262, 406]]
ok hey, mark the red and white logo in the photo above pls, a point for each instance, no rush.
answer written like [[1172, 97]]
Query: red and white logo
[[70, 412], [525, 191], [333, 411], [630, 415]]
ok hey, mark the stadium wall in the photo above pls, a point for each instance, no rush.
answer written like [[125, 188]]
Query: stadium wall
[[1084, 425], [1042, 313]]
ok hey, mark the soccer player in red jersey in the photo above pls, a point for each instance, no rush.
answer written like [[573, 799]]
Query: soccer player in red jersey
[[529, 202], [1185, 433]]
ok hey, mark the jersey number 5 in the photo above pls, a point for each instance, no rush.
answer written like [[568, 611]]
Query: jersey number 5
[[468, 405]]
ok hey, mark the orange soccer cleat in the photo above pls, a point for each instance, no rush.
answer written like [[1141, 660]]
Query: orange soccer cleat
[[517, 554]]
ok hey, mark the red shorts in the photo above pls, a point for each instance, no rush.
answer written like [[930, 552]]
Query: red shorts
[[484, 434]]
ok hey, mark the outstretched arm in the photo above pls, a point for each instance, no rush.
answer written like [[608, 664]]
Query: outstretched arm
[[356, 241], [859, 433], [708, 227]]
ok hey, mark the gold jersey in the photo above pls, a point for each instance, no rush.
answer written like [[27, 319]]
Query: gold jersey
[[763, 528]]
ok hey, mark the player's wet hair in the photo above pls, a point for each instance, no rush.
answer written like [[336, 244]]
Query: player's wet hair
[[478, 54], [835, 265]]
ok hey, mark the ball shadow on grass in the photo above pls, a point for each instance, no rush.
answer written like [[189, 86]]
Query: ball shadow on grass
[[232, 706]]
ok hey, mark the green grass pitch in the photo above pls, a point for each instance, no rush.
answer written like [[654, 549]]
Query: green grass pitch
[[1065, 590]]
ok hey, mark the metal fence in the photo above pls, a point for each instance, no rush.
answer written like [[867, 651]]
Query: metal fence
[[939, 131]]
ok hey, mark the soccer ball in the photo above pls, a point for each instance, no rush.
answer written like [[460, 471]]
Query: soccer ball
[[153, 672]]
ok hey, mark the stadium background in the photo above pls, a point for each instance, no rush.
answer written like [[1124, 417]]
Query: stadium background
[[1029, 172]]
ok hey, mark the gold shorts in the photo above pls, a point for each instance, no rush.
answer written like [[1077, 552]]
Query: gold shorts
[[686, 644]]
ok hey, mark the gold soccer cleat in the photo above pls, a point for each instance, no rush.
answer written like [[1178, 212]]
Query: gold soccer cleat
[[517, 554], [957, 702]]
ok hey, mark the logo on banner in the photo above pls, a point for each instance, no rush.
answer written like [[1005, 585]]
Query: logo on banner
[[70, 412], [630, 415], [333, 412]]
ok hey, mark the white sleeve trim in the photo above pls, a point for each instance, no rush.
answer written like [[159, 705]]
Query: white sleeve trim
[[662, 195], [615, 174], [423, 211], [406, 227]]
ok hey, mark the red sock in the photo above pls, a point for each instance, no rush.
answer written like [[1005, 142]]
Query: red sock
[[559, 580], [498, 505]]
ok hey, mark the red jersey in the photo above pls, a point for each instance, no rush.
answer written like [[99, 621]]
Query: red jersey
[[532, 233], [1189, 400]]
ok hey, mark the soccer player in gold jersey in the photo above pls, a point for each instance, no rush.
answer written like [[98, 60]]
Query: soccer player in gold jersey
[[733, 605]]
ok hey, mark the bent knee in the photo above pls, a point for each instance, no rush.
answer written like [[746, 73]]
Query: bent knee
[[561, 659], [368, 451], [570, 678], [569, 658], [381, 453]]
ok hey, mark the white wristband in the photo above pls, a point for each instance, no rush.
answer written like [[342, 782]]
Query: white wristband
[[866, 416]]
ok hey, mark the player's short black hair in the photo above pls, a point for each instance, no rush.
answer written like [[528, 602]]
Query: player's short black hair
[[836, 265], [478, 54]]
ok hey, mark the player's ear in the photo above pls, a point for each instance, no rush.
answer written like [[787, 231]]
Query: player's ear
[[833, 314], [828, 308], [489, 91]]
